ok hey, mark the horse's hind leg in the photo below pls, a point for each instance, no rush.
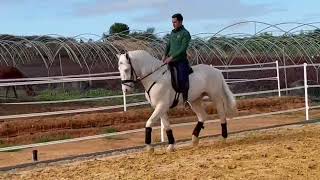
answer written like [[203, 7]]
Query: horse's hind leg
[[7, 91], [202, 116], [223, 119], [166, 124], [15, 92]]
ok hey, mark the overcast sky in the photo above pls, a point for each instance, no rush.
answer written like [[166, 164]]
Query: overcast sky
[[73, 17]]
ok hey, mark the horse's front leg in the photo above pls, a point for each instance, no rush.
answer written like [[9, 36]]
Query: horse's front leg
[[15, 92], [157, 113], [7, 91], [166, 124]]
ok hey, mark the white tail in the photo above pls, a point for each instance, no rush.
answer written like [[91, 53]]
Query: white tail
[[230, 103]]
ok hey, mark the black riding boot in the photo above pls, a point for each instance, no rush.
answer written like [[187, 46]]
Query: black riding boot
[[185, 100]]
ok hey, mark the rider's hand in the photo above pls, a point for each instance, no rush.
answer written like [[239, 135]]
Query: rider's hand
[[168, 60], [163, 58]]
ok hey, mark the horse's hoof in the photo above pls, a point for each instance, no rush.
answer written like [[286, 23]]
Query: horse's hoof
[[150, 149], [171, 148], [195, 140]]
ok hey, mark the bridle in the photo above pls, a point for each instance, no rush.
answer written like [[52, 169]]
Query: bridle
[[133, 75]]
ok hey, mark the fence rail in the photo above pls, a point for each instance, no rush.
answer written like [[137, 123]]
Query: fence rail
[[125, 105]]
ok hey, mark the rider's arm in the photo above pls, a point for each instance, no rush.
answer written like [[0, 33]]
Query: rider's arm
[[167, 49], [184, 46]]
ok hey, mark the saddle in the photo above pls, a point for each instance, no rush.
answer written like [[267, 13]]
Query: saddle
[[175, 84]]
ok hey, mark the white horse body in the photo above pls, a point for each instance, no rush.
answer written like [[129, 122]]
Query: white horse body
[[204, 81]]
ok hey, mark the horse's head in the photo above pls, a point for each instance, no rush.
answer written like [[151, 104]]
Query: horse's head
[[127, 72], [29, 90]]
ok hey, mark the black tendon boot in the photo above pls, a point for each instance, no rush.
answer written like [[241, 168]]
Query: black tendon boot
[[224, 130]]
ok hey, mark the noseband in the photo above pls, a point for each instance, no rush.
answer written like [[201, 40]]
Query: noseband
[[133, 76]]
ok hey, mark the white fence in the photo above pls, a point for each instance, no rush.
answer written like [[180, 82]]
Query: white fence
[[94, 77]]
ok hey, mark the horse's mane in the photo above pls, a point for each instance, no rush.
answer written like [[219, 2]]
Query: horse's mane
[[148, 61]]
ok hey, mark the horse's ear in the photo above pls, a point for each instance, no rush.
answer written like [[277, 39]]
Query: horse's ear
[[118, 56], [127, 55]]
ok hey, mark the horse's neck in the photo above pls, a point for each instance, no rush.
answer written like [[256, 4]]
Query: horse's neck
[[149, 67]]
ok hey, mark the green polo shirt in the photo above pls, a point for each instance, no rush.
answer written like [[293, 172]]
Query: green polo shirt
[[178, 44]]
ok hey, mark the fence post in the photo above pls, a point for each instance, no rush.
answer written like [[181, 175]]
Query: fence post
[[306, 89], [278, 79], [285, 70], [124, 101], [162, 132], [35, 155]]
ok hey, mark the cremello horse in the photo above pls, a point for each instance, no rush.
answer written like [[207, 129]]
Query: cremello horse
[[205, 80]]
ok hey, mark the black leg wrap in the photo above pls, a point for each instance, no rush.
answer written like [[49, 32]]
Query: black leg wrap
[[224, 130], [148, 135], [170, 136], [197, 129]]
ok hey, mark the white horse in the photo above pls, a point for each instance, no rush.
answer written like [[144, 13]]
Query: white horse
[[205, 80]]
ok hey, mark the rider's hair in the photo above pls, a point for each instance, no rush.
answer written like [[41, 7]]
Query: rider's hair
[[178, 16]]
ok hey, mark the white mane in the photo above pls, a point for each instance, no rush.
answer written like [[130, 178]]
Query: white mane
[[145, 61]]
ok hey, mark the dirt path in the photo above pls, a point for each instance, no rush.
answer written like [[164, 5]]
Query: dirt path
[[40, 129], [283, 153], [135, 139]]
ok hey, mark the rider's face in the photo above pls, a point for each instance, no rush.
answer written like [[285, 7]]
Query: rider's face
[[176, 24]]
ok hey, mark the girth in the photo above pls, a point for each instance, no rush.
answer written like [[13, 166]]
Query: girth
[[175, 100]]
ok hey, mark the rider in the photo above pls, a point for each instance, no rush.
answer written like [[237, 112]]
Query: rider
[[176, 54]]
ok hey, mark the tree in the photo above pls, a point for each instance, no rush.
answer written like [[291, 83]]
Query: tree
[[317, 31], [119, 28], [147, 35], [150, 30]]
